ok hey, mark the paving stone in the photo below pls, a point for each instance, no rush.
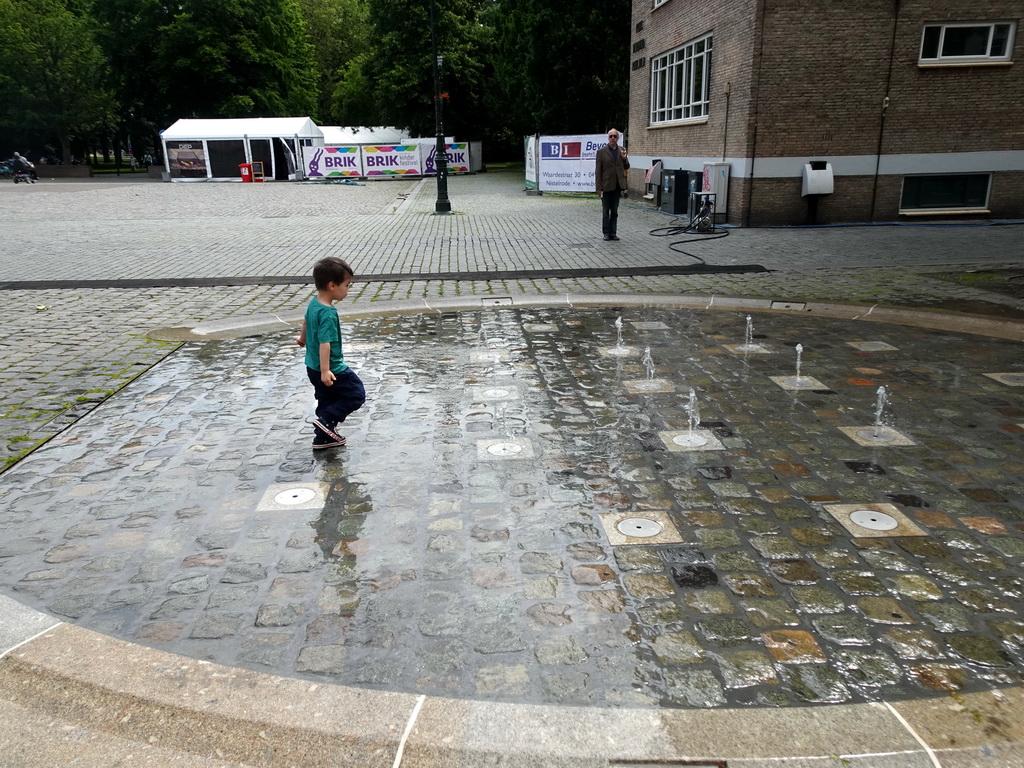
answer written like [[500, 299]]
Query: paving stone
[[749, 585], [814, 599], [560, 649], [883, 610], [725, 631], [764, 613], [817, 684], [694, 688], [322, 659], [790, 646], [678, 648], [794, 571], [540, 563], [743, 669], [277, 615], [916, 587], [946, 617], [648, 585], [606, 601], [979, 650], [709, 601], [844, 629]]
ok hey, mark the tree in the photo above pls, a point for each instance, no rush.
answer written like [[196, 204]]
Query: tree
[[209, 58], [236, 58], [338, 32], [562, 66], [397, 73], [60, 87]]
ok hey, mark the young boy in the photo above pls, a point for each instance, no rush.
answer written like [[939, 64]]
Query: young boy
[[337, 388]]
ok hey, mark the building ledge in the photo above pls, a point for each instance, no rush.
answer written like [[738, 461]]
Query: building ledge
[[946, 212]]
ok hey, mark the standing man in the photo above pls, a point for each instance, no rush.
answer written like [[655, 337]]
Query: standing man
[[610, 176]]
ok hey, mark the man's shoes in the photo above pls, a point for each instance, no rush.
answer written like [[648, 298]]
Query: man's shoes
[[607, 237], [328, 430], [323, 441], [613, 237]]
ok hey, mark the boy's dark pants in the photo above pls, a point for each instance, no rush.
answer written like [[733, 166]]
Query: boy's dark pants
[[336, 402]]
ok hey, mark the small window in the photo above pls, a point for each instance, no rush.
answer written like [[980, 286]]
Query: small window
[[658, 2], [952, 192], [966, 43]]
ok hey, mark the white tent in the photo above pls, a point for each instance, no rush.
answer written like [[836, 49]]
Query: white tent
[[201, 150], [340, 135]]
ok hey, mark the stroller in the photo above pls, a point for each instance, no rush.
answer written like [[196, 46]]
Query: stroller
[[24, 173]]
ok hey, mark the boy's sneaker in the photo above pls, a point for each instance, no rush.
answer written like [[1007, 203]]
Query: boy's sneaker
[[327, 430], [323, 441]]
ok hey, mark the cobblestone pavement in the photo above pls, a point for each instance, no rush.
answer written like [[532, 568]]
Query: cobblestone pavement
[[144, 519], [467, 542]]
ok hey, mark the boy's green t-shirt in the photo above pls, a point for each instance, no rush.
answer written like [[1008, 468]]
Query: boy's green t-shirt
[[323, 324]]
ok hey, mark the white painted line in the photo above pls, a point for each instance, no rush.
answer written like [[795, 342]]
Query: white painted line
[[408, 730], [29, 640], [929, 750]]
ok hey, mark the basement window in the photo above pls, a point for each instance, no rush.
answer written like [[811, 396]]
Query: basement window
[[966, 43], [950, 192]]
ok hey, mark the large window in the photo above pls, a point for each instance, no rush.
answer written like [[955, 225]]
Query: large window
[[681, 83], [951, 192], [966, 43]]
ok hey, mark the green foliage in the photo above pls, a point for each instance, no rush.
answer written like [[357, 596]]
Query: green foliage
[[398, 70], [235, 58], [563, 66], [337, 31], [52, 72], [209, 58]]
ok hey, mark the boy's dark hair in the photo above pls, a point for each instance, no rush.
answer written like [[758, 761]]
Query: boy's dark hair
[[330, 270]]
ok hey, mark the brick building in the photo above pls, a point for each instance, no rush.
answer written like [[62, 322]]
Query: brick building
[[917, 107]]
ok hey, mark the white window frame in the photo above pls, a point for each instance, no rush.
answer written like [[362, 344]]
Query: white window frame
[[939, 58], [676, 94], [656, 3]]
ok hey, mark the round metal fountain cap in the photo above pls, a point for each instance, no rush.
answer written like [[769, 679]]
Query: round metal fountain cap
[[690, 440], [639, 527], [504, 449], [875, 521], [620, 351], [497, 392], [295, 496], [873, 435]]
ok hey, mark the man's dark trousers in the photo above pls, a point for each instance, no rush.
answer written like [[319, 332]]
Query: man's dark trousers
[[610, 211]]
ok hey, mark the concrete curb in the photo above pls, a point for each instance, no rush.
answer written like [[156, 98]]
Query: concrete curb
[[150, 700], [980, 325]]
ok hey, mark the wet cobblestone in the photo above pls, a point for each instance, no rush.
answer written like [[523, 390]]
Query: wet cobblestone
[[433, 567]]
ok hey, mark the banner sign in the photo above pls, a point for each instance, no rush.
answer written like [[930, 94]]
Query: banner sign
[[530, 149], [567, 163], [391, 160], [187, 157], [457, 155], [332, 162]]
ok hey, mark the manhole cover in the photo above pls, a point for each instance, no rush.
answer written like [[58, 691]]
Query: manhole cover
[[295, 496], [875, 521], [504, 449], [639, 527]]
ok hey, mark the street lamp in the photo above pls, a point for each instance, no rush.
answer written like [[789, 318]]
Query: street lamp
[[443, 204]]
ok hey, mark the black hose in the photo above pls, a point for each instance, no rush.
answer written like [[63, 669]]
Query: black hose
[[690, 228]]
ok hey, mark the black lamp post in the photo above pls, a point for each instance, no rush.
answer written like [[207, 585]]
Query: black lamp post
[[443, 204]]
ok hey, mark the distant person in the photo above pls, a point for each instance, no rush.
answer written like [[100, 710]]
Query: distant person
[[337, 388], [610, 177], [21, 164]]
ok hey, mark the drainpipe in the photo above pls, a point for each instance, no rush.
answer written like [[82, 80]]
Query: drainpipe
[[885, 106], [763, 7]]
